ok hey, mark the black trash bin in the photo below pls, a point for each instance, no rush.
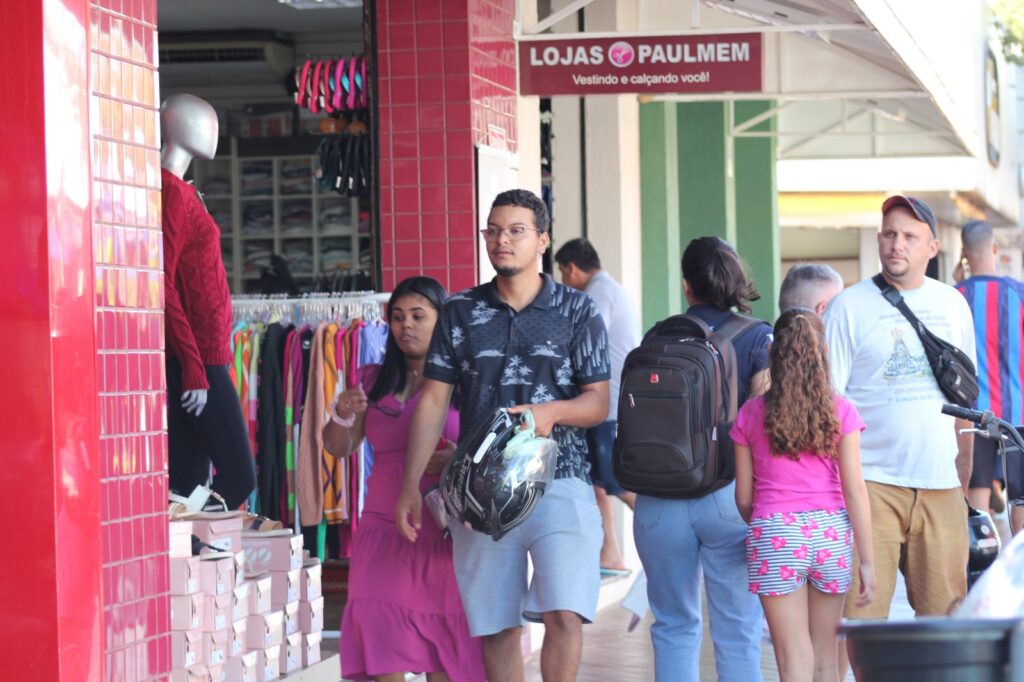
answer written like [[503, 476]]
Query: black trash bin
[[932, 649]]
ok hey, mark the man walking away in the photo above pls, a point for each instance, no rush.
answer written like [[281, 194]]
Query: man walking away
[[580, 266], [996, 304]]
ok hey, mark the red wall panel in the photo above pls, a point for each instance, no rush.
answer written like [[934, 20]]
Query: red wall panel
[[50, 592], [446, 82]]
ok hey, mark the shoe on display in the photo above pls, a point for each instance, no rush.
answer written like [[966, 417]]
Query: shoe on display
[[194, 502], [215, 503]]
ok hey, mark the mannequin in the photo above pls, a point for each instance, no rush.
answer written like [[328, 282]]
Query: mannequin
[[206, 424]]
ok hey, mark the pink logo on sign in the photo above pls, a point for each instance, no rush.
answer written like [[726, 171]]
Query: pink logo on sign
[[621, 54]]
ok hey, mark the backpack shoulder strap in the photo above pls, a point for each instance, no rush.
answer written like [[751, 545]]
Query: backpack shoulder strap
[[893, 296], [736, 326]]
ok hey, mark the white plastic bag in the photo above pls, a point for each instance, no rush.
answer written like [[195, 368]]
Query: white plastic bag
[[1000, 591]]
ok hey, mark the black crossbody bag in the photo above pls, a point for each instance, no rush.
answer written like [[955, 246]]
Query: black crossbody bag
[[953, 370]]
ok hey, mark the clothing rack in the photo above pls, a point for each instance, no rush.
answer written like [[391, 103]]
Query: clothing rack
[[315, 306], [312, 310]]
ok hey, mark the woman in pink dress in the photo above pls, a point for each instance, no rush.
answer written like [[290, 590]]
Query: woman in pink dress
[[404, 613]]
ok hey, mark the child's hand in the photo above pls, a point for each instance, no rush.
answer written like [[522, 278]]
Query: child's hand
[[867, 585]]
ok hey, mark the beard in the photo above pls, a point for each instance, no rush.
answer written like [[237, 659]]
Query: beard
[[507, 271], [896, 273]]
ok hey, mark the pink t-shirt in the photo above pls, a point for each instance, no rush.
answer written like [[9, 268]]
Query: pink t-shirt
[[782, 484]]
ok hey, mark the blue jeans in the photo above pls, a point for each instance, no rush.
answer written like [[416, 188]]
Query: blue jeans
[[678, 540]]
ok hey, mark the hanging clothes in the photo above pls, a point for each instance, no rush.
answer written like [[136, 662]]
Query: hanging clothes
[[285, 376], [311, 443], [271, 436], [240, 374], [332, 468]]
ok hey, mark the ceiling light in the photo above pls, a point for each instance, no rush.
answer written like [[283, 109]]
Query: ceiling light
[[322, 4]]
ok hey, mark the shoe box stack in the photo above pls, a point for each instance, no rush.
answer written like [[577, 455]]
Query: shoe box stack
[[295, 592], [250, 611]]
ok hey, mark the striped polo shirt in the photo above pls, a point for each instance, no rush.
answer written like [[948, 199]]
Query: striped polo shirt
[[996, 303]]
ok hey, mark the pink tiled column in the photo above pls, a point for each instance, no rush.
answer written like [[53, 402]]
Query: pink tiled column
[[446, 81], [129, 325]]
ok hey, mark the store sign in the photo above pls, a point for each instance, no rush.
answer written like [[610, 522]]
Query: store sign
[[651, 64]]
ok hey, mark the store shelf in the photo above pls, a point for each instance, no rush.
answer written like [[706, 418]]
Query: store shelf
[[279, 190]]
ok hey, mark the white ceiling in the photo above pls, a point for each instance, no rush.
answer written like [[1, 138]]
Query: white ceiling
[[266, 15]]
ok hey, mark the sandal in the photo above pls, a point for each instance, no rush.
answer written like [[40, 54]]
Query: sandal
[[609, 572]]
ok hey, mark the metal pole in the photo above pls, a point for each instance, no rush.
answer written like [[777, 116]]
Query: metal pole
[[529, 34]]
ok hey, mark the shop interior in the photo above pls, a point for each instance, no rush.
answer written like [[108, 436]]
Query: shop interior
[[291, 177], [291, 189]]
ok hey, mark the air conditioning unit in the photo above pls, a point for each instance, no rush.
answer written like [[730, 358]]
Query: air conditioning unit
[[235, 58]]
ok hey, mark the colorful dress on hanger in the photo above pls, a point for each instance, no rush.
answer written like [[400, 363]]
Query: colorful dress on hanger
[[404, 613]]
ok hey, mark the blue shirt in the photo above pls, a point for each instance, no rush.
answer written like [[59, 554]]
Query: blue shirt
[[499, 357]]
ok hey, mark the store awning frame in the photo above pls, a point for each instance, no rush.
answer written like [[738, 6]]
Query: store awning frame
[[863, 101]]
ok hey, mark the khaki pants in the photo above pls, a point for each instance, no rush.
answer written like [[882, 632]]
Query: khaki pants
[[922, 533]]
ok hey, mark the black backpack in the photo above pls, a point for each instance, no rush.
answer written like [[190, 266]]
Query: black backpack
[[677, 402]]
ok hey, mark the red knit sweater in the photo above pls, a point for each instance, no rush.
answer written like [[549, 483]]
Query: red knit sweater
[[197, 301]]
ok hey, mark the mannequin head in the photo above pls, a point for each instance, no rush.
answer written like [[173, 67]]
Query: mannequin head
[[190, 129]]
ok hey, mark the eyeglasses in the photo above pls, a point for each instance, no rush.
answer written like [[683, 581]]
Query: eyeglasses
[[515, 233]]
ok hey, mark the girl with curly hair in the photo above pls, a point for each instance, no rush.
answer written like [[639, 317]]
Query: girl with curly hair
[[800, 489]]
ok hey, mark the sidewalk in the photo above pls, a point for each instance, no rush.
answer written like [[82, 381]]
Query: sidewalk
[[612, 654]]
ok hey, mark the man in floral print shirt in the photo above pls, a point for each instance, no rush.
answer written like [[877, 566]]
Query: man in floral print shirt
[[521, 341]]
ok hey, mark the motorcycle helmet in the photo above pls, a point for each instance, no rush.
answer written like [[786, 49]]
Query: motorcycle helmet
[[984, 540], [498, 474]]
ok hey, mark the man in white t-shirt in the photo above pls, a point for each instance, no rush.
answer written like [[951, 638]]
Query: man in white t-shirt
[[580, 266], [915, 462]]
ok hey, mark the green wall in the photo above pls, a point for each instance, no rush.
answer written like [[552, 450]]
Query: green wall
[[659, 213], [757, 208], [696, 182]]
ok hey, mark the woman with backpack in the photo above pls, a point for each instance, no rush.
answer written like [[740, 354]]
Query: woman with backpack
[[799, 485], [681, 541]]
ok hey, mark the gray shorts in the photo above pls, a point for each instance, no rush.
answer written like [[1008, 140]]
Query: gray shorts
[[563, 537]]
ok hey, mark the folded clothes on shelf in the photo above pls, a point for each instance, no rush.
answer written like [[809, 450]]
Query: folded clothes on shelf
[[216, 185], [296, 177], [256, 256], [257, 218], [296, 216], [332, 257], [257, 178]]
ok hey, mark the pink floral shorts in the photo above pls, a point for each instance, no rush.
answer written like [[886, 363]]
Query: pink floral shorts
[[785, 550]]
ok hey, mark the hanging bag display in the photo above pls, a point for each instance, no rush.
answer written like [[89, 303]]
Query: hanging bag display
[[331, 85], [953, 370]]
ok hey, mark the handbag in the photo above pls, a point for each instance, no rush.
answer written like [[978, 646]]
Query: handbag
[[953, 370]]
